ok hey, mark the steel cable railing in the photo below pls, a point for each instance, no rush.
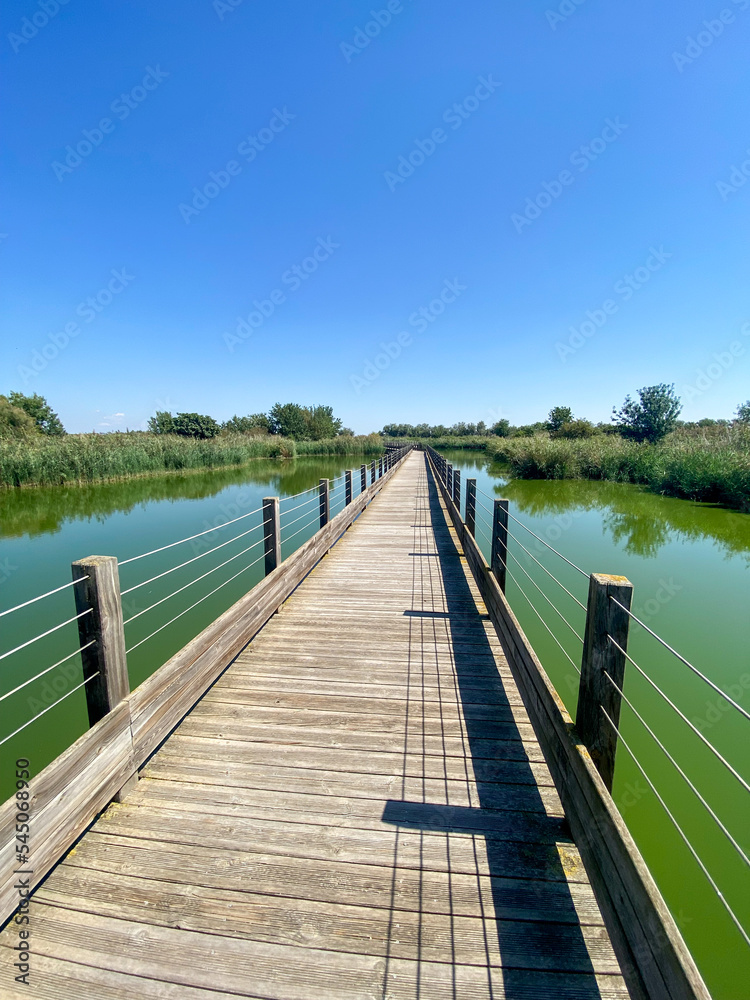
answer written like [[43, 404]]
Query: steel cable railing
[[187, 562], [48, 708], [40, 597], [679, 830], [679, 769], [682, 659]]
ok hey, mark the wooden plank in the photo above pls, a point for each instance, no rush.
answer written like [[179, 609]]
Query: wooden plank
[[361, 929], [251, 968], [379, 886]]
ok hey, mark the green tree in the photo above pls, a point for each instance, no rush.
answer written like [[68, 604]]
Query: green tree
[[161, 423], [255, 423], [15, 422], [287, 419], [196, 425], [652, 416], [558, 416], [743, 412], [501, 428], [40, 412]]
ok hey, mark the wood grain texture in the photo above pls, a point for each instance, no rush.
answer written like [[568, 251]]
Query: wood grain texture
[[357, 809]]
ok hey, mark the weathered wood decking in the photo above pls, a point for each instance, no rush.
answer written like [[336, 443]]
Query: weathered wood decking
[[358, 808]]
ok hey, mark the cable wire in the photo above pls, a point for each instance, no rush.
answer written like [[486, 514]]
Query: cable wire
[[48, 632], [531, 605], [521, 566], [679, 829], [188, 561], [218, 527], [43, 672], [199, 601], [674, 763], [202, 577], [48, 708], [289, 537], [682, 715], [542, 566], [33, 600], [679, 656], [297, 506]]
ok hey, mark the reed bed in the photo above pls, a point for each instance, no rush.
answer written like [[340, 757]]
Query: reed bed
[[88, 458]]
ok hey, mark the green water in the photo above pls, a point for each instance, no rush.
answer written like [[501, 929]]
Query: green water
[[42, 530], [690, 567], [689, 564]]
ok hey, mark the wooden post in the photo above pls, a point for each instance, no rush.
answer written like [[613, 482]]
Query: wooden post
[[348, 487], [363, 478], [448, 477], [457, 488], [372, 472], [471, 506], [500, 541], [604, 618], [324, 489], [271, 533], [380, 468], [105, 662]]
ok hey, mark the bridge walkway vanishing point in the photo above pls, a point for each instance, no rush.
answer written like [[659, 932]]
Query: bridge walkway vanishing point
[[357, 808]]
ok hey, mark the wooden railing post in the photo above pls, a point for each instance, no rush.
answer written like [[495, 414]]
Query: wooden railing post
[[457, 488], [362, 478], [500, 541], [380, 468], [449, 479], [348, 487], [471, 506], [324, 491], [271, 533], [372, 472], [105, 660], [596, 694]]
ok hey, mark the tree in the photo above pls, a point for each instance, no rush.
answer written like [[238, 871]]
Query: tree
[[40, 412], [743, 412], [15, 422], [161, 423], [195, 425], [255, 423], [558, 416], [287, 419], [652, 417], [304, 423], [501, 428]]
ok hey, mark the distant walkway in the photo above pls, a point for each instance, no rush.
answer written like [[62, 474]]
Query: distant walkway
[[357, 810]]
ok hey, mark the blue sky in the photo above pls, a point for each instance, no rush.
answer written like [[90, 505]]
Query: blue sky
[[571, 213]]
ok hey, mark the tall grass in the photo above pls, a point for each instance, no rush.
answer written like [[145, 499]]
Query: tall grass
[[709, 464], [88, 458]]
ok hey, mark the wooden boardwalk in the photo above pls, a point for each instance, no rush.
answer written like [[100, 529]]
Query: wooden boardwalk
[[358, 809]]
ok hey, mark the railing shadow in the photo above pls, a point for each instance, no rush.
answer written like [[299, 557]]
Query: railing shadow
[[536, 922]]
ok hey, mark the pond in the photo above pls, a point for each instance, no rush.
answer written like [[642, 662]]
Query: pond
[[690, 567]]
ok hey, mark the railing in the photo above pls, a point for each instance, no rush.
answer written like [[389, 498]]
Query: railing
[[582, 757], [126, 727]]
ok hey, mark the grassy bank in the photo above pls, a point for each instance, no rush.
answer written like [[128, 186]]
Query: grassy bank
[[89, 458], [710, 464]]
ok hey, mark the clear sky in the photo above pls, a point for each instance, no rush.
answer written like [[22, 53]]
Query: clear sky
[[561, 164]]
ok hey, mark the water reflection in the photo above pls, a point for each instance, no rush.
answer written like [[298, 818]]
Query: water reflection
[[44, 509], [641, 521]]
